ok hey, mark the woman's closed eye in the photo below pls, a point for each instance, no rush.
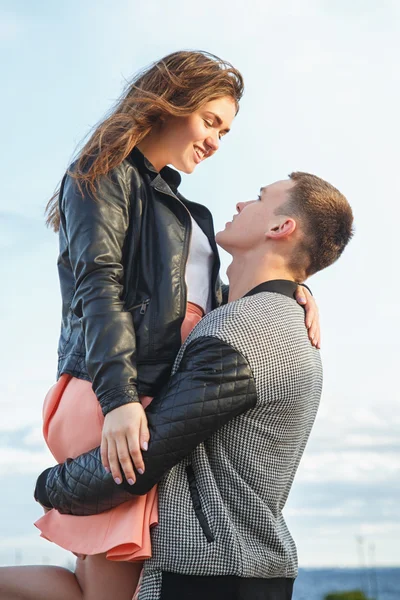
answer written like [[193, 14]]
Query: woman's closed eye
[[210, 125]]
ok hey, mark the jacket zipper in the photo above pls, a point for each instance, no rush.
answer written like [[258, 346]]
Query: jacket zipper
[[186, 247], [143, 306], [196, 503]]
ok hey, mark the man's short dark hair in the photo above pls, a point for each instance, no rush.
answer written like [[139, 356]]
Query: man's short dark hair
[[326, 218]]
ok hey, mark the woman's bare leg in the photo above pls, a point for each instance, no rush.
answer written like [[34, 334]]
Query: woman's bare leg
[[102, 579], [34, 583], [95, 578]]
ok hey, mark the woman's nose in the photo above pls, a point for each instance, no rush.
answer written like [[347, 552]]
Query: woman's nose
[[239, 206], [212, 143]]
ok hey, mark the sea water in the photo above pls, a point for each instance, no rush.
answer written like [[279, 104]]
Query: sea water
[[380, 584]]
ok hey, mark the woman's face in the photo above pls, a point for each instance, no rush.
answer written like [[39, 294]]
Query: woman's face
[[188, 141]]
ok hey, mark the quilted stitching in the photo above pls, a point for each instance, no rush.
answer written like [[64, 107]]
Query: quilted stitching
[[212, 385]]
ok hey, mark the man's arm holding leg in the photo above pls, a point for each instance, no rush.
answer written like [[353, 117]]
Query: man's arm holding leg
[[213, 384]]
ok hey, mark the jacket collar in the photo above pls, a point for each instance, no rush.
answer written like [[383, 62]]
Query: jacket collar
[[167, 175], [278, 286]]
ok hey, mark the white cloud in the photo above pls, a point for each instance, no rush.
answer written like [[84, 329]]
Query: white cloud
[[34, 437], [357, 416], [32, 550], [18, 540], [373, 529], [346, 466], [22, 462], [22, 403], [349, 508], [361, 439]]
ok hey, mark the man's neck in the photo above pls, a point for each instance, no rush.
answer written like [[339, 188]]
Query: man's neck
[[246, 272]]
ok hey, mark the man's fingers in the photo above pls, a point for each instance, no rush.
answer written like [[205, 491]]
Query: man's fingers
[[104, 454], [125, 460], [113, 462]]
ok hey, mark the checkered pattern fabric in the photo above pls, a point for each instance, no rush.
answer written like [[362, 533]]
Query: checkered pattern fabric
[[220, 510]]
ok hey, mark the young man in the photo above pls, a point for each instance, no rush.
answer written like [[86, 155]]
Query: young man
[[228, 432]]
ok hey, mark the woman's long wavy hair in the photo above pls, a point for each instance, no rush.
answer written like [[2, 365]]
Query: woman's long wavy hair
[[176, 85]]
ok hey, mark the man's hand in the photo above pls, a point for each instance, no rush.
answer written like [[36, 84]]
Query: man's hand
[[125, 433], [304, 298]]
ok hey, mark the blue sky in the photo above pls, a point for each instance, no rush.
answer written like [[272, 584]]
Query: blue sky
[[322, 95]]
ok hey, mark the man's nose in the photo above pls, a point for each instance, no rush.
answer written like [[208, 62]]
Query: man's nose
[[240, 206]]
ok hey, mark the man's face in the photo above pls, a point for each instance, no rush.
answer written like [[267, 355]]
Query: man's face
[[255, 218]]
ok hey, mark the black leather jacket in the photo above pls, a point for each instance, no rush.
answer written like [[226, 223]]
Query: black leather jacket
[[122, 275]]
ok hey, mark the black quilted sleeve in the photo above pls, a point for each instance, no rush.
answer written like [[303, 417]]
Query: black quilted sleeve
[[213, 384]]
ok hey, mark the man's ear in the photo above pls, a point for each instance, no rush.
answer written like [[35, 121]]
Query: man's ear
[[281, 230]]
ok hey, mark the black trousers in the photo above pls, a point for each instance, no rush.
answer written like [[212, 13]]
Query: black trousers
[[193, 587]]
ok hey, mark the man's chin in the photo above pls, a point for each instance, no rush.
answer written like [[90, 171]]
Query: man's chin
[[220, 238]]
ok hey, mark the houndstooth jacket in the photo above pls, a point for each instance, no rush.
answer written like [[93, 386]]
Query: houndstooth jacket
[[221, 507], [234, 421]]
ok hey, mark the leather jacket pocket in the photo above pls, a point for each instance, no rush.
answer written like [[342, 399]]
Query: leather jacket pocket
[[194, 494]]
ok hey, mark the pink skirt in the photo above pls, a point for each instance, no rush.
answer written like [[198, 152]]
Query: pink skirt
[[72, 425]]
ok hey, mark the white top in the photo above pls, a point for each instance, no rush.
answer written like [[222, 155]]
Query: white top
[[199, 268]]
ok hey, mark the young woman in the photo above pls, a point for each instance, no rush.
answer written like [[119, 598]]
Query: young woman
[[138, 268]]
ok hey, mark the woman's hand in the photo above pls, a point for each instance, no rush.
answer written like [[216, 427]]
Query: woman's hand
[[304, 298], [125, 433]]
